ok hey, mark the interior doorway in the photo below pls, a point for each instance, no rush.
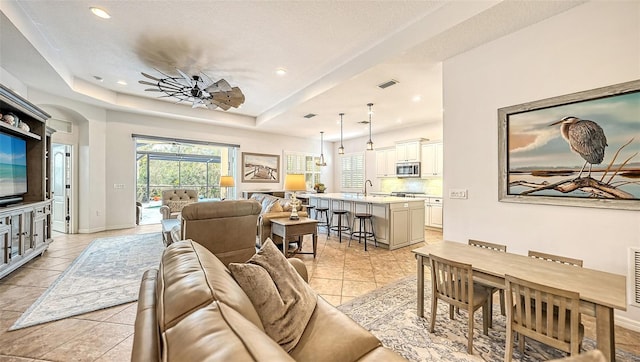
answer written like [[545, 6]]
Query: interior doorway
[[61, 181]]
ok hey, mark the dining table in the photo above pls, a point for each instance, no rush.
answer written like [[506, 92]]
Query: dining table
[[600, 292]]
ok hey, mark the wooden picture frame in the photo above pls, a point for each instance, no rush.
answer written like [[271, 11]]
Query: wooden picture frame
[[538, 164], [260, 168]]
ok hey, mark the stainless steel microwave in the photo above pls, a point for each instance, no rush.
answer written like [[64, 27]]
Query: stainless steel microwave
[[408, 169]]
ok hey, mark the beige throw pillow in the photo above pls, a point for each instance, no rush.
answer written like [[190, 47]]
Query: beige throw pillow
[[281, 297], [177, 205]]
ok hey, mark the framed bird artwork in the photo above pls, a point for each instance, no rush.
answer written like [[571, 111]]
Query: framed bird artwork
[[580, 149]]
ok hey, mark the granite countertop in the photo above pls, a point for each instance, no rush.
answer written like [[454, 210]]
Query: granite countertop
[[360, 198]]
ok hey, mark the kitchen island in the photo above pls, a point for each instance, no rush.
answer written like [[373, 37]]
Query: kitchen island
[[397, 221]]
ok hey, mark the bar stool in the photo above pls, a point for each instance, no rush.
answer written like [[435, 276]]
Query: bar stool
[[362, 229], [309, 210], [339, 228], [322, 215]]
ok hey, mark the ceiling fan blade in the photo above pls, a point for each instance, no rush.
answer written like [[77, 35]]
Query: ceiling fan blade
[[151, 77], [186, 77], [154, 90], [232, 98], [221, 104], [147, 83], [210, 105], [219, 86]]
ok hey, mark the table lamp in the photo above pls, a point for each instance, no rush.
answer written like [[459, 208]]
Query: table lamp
[[226, 181], [294, 182]]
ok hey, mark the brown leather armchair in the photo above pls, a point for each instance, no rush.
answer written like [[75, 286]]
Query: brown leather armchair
[[226, 228]]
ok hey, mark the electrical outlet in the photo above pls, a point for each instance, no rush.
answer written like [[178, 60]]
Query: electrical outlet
[[458, 193], [118, 186]]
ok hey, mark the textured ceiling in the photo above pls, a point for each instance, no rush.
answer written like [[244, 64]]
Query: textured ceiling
[[335, 54]]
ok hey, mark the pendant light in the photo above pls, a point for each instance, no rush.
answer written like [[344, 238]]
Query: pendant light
[[370, 143], [321, 161], [341, 148]]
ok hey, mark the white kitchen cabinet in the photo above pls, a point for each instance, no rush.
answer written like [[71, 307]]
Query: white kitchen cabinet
[[433, 212], [431, 160], [386, 162], [406, 224], [436, 216], [408, 151]]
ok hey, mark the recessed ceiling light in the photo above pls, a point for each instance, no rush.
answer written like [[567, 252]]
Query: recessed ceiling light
[[281, 71], [122, 82], [416, 98], [100, 13]]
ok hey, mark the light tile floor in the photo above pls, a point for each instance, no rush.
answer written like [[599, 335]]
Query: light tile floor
[[339, 273]]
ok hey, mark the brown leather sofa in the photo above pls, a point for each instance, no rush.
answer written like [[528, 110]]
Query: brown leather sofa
[[271, 208], [191, 309], [227, 228], [174, 200]]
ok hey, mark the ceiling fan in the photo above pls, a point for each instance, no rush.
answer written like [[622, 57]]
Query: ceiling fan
[[199, 90]]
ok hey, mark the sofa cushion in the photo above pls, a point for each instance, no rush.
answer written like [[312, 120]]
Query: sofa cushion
[[283, 300], [335, 337], [190, 277], [216, 332], [267, 204], [275, 207]]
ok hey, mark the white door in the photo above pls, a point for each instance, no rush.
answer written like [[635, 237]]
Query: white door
[[61, 175]]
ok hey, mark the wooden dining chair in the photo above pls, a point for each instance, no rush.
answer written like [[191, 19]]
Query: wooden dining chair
[[560, 329], [453, 283], [555, 258], [494, 247]]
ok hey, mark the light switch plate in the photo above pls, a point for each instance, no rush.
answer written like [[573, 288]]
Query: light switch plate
[[458, 193]]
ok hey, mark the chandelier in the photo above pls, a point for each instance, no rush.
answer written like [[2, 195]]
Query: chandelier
[[199, 90]]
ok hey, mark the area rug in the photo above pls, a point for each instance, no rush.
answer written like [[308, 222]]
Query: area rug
[[390, 314], [106, 274]]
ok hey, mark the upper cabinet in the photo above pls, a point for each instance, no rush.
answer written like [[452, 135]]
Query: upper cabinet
[[386, 162], [408, 151], [431, 160]]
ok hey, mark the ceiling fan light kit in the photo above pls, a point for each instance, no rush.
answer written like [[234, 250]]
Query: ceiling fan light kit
[[199, 90]]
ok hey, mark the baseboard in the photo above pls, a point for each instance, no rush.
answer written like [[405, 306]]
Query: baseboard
[[90, 231], [118, 227], [627, 323]]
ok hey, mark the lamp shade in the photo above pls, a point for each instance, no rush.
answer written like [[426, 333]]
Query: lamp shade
[[226, 181], [295, 182]]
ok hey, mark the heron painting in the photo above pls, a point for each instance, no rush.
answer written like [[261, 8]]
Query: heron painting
[[580, 149]]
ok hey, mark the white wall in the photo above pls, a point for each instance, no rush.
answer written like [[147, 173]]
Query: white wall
[[593, 45]]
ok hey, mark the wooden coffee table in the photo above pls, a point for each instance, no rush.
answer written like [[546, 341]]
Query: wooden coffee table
[[295, 230]]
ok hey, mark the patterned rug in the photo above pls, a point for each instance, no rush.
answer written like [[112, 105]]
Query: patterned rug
[[390, 314], [106, 274]]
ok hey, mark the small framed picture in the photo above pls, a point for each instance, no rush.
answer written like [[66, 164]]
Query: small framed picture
[[261, 168]]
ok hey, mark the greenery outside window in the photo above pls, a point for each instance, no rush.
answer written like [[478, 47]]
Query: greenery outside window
[[164, 164]]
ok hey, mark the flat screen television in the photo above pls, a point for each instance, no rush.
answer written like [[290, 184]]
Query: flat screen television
[[13, 168]]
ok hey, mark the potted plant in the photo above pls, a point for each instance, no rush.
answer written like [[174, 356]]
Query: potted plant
[[319, 187]]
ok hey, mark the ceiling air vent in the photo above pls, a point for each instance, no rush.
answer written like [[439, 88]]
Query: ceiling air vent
[[387, 84], [310, 115]]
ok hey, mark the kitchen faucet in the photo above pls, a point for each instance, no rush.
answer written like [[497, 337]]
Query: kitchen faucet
[[365, 187]]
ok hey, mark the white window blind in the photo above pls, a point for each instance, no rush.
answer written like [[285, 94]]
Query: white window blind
[[352, 175], [304, 164]]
